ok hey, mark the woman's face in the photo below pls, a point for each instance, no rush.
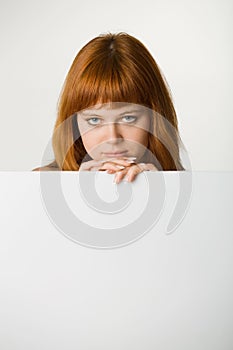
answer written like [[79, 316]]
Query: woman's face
[[115, 130]]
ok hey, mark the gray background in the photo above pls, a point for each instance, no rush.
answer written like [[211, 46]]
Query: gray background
[[190, 40]]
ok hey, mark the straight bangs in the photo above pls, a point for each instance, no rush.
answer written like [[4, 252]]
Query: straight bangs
[[104, 82]]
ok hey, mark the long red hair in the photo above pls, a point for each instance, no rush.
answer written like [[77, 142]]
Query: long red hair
[[118, 68]]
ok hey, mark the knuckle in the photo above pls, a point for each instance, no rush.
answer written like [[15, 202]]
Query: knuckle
[[132, 170]]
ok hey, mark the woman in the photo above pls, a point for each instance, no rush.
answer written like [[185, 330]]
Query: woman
[[115, 112]]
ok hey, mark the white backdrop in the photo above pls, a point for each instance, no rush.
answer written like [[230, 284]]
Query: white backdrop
[[191, 42]]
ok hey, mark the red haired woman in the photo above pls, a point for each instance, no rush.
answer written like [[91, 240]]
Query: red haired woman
[[115, 112]]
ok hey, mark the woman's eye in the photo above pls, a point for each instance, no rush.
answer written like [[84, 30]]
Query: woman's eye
[[96, 121], [129, 118], [93, 121]]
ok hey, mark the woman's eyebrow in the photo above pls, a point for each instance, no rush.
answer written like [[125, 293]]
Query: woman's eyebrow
[[90, 113]]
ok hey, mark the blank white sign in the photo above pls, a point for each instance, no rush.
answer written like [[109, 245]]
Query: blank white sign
[[159, 291]]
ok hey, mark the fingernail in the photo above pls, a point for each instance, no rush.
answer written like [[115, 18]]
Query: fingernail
[[130, 161], [115, 181]]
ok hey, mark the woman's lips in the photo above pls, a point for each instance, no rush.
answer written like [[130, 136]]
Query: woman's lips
[[115, 154]]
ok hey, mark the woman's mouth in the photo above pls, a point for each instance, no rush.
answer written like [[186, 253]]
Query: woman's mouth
[[115, 154]]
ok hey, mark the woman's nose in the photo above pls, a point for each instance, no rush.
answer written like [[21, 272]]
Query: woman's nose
[[113, 133]]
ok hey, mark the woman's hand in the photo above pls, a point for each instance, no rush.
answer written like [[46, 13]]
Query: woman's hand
[[110, 165], [131, 172], [123, 167]]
